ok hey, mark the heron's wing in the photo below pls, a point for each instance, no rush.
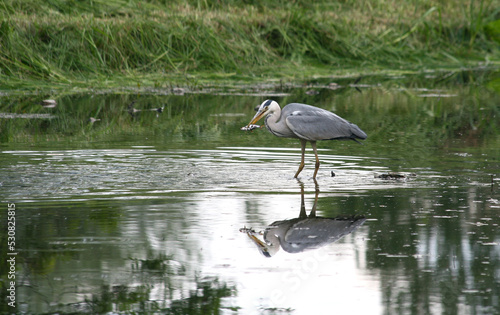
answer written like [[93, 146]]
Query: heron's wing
[[316, 232], [313, 123], [322, 230]]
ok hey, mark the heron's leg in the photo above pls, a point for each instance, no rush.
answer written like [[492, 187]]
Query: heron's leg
[[303, 213], [313, 144], [312, 214], [301, 166]]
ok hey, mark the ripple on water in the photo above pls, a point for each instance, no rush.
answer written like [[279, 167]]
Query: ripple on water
[[144, 172]]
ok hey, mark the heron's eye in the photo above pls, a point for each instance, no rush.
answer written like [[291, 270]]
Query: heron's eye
[[263, 109]]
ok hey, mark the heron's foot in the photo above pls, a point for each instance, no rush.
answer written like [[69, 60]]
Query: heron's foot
[[301, 167]]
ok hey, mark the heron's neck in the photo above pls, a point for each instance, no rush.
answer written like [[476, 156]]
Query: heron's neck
[[277, 125]]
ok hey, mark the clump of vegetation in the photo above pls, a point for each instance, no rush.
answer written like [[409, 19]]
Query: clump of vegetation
[[111, 43]]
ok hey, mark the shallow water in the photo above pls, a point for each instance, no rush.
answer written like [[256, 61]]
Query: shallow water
[[146, 213]]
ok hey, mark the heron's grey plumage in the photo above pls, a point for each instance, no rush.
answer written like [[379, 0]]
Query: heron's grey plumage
[[300, 234], [307, 123], [312, 124]]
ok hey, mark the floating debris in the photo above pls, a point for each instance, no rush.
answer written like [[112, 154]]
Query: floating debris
[[394, 255], [250, 127], [334, 86], [263, 94], [178, 91], [356, 84], [437, 95], [26, 116], [133, 111], [48, 103], [395, 176], [228, 115], [159, 109], [312, 92]]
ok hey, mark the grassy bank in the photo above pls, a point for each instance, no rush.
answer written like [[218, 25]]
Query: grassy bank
[[157, 43]]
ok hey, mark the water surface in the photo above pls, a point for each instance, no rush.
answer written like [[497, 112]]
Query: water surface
[[143, 212]]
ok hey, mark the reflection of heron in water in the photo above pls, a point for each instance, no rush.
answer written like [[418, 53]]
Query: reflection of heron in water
[[305, 232]]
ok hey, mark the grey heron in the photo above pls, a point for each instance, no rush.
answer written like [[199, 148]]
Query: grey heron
[[307, 123]]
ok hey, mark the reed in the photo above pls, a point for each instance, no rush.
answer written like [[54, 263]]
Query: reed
[[110, 43]]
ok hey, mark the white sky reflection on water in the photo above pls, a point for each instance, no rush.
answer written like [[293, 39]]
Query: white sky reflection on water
[[321, 281]]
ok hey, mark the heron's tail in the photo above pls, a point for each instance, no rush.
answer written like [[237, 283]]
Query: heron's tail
[[357, 133]]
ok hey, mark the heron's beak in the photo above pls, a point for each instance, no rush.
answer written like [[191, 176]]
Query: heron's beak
[[258, 116], [263, 247]]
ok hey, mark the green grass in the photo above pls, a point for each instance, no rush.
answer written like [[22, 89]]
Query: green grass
[[155, 43]]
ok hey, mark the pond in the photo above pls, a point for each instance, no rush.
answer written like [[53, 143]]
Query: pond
[[171, 208]]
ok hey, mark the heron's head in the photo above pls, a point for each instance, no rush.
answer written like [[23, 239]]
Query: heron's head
[[267, 107], [268, 250]]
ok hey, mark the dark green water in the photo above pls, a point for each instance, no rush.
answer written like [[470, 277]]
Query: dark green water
[[143, 214]]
